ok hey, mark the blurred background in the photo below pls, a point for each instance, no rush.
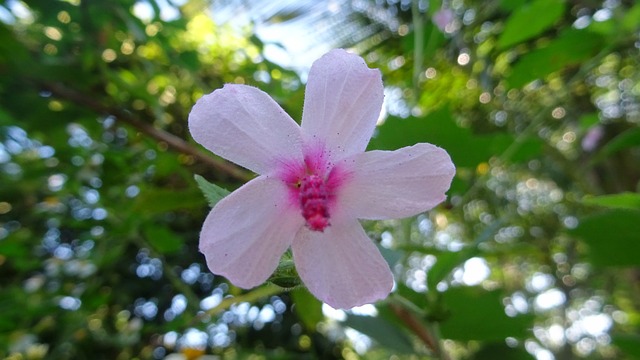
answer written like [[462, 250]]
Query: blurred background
[[534, 255]]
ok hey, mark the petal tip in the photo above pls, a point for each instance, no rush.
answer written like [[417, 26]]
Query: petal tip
[[337, 301]]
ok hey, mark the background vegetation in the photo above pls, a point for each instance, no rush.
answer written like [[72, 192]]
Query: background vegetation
[[535, 254]]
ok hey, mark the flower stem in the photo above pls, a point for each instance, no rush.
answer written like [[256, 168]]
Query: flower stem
[[425, 333], [251, 296]]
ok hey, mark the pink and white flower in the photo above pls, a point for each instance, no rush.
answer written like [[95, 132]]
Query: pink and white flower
[[315, 181]]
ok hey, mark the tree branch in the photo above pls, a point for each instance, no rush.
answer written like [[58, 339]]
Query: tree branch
[[174, 142], [418, 329]]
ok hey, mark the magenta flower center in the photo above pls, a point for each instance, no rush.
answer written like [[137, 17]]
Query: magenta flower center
[[313, 187], [314, 202]]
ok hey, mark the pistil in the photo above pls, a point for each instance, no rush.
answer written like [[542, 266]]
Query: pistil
[[314, 202]]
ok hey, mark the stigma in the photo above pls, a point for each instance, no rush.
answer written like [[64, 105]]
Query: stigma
[[314, 202]]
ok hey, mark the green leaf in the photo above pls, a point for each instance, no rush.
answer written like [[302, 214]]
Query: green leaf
[[17, 250], [383, 332], [529, 21], [624, 200], [511, 5], [448, 261], [606, 28], [212, 192], [612, 236], [477, 314], [629, 344], [391, 256], [419, 300], [13, 51], [445, 263], [432, 41], [631, 20], [307, 307], [589, 120], [162, 239], [627, 139], [155, 201], [502, 351], [570, 48], [6, 118], [439, 128], [12, 247], [286, 276], [189, 59]]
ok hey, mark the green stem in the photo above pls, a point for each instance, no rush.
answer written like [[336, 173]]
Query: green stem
[[251, 296], [418, 46], [427, 334]]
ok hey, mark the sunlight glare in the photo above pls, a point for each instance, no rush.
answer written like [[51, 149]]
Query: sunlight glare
[[550, 299], [334, 314], [476, 271]]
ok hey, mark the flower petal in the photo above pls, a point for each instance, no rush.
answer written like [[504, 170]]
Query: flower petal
[[341, 266], [245, 125], [245, 234], [397, 184], [342, 102]]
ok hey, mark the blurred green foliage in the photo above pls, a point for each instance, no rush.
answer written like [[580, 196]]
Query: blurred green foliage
[[535, 254]]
